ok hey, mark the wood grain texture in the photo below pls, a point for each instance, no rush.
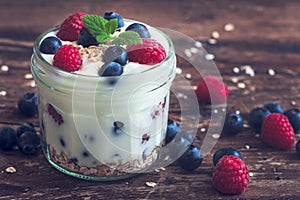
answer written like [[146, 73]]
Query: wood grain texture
[[266, 36]]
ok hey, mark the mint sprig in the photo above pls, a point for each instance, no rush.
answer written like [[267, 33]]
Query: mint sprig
[[103, 31]]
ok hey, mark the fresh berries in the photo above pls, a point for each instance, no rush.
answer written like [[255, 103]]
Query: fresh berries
[[273, 107], [294, 118], [50, 45], [111, 69], [70, 28], [149, 52], [277, 132], [172, 130], [8, 138], [212, 90], [25, 127], [67, 58], [256, 118], [29, 142], [116, 54], [233, 124], [28, 104], [140, 29], [230, 175], [229, 151], [112, 15], [191, 159], [298, 148], [86, 39]]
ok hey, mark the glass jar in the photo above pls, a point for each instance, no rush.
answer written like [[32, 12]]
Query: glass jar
[[103, 128]]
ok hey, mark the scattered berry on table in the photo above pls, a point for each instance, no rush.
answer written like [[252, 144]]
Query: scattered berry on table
[[111, 69], [172, 130], [277, 132], [186, 135], [294, 118], [179, 144], [298, 147], [86, 39], [8, 138], [67, 58], [233, 124], [25, 127], [256, 118], [211, 90], [230, 175], [140, 29], [28, 104], [70, 28], [149, 52], [191, 159], [116, 54], [113, 15], [29, 142], [229, 151], [273, 107], [50, 45]]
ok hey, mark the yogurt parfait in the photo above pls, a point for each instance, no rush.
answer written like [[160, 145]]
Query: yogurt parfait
[[103, 85]]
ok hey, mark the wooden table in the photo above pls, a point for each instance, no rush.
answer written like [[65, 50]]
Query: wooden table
[[265, 37]]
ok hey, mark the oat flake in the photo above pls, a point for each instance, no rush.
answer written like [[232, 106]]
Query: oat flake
[[4, 68], [198, 44], [151, 184], [11, 170], [229, 27]]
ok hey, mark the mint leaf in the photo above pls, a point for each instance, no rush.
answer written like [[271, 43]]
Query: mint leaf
[[111, 26], [128, 37], [95, 24], [103, 38]]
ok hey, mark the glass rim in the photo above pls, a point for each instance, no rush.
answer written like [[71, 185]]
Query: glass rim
[[170, 53]]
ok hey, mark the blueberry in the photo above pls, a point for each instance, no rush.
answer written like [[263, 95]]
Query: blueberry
[[140, 29], [273, 107], [28, 104], [50, 45], [225, 151], [116, 54], [112, 15], [172, 130], [191, 159], [111, 69], [62, 142], [298, 148], [233, 124], [117, 127], [25, 127], [256, 117], [179, 145], [86, 39], [294, 118], [29, 142], [8, 138], [85, 154]]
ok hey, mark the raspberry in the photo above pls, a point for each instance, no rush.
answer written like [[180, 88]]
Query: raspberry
[[277, 131], [70, 28], [67, 58], [211, 89], [230, 175], [149, 52]]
